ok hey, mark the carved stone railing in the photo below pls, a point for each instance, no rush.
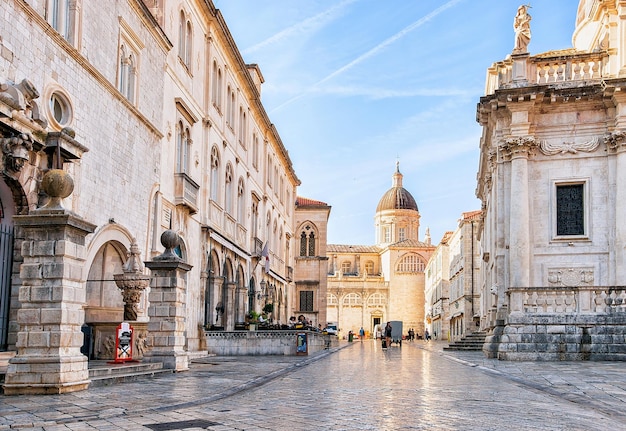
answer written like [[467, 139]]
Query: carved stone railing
[[186, 192], [587, 299], [546, 69]]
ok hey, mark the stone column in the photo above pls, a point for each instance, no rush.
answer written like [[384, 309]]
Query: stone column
[[517, 150], [616, 144], [167, 310], [242, 300], [52, 297], [229, 306]]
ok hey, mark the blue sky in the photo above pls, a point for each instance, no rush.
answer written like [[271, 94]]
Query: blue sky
[[355, 85]]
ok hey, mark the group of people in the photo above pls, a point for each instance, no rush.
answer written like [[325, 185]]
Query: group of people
[[302, 321]]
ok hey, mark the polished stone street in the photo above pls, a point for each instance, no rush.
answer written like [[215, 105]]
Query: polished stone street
[[357, 387]]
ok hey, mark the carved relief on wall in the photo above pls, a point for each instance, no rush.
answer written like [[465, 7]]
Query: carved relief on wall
[[550, 149], [570, 277]]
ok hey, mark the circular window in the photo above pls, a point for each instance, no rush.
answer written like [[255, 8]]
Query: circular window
[[60, 109]]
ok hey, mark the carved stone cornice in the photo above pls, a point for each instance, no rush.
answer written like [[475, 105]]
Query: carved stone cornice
[[550, 149], [517, 147], [615, 141]]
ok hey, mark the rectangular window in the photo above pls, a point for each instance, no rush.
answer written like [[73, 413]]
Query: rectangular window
[[570, 210], [306, 300], [401, 234]]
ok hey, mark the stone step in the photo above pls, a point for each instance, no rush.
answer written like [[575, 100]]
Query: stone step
[[471, 342], [104, 373]]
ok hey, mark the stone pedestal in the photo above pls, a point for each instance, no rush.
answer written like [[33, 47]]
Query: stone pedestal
[[166, 328], [52, 297]]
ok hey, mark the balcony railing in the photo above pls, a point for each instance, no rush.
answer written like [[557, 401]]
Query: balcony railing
[[546, 69], [186, 192]]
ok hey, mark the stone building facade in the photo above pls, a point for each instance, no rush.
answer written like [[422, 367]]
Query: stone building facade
[[552, 186], [150, 108], [437, 291], [311, 262], [452, 282], [464, 268], [370, 285]]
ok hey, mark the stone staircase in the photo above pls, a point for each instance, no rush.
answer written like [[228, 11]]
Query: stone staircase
[[471, 342]]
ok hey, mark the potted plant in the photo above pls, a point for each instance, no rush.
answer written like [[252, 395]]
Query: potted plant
[[268, 308], [253, 319]]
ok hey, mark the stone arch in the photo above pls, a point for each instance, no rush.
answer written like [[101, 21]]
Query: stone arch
[[307, 236], [15, 191]]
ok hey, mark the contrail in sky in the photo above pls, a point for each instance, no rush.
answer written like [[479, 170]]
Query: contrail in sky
[[310, 23], [376, 49]]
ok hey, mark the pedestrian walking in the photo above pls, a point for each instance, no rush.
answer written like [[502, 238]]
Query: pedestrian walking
[[426, 335], [388, 334], [361, 334]]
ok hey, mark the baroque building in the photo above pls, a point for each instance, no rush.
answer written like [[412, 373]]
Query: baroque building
[[151, 110], [552, 187], [370, 285]]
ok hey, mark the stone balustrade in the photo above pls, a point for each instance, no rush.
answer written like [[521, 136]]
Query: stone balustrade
[[546, 69], [587, 299]]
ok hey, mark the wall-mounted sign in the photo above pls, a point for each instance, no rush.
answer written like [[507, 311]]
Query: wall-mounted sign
[[302, 347]]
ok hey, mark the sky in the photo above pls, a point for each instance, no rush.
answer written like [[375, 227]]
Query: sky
[[355, 86]]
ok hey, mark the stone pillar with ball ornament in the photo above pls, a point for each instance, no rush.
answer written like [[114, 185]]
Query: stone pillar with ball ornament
[[167, 309], [52, 297]]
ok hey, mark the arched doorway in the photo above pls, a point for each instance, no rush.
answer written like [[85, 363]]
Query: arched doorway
[[104, 308], [7, 210]]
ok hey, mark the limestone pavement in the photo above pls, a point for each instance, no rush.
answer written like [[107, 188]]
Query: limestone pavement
[[358, 386]]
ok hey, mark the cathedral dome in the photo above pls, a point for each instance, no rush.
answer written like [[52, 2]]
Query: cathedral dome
[[397, 197]]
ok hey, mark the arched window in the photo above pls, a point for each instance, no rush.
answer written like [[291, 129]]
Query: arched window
[[243, 127], [241, 205], [312, 244], [411, 263], [228, 189], [214, 84], [215, 165], [188, 45], [255, 151], [352, 299], [185, 36], [255, 217], [182, 26], [307, 241], [376, 299]]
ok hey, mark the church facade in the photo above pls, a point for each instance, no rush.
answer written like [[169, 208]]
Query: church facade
[[552, 185], [370, 285]]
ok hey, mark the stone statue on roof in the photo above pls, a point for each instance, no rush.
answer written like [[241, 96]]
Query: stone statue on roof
[[521, 25]]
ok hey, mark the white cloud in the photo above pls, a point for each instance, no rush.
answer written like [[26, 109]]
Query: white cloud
[[308, 26]]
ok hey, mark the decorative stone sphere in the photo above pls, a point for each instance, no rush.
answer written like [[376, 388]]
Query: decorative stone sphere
[[169, 239], [57, 183]]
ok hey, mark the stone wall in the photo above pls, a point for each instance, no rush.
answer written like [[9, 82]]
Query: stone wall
[[243, 343], [564, 337]]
